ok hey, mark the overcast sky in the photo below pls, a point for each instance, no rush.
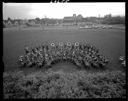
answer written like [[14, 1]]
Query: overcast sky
[[59, 10]]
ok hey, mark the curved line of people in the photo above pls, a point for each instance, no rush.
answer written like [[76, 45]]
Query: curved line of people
[[81, 54]]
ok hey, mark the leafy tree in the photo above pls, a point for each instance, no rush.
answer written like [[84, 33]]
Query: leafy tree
[[9, 19], [37, 20]]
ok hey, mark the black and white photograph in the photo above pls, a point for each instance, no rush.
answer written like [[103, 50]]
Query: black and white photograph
[[64, 50]]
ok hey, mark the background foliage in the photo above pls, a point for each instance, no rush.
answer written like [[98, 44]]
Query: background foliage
[[49, 84]]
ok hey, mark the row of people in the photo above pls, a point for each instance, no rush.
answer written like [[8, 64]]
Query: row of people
[[81, 54]]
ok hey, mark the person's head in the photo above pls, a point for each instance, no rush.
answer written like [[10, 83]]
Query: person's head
[[53, 44]]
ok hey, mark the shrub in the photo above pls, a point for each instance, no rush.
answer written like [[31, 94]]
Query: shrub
[[80, 84]]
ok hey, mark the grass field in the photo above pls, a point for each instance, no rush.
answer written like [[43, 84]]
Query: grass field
[[111, 42]]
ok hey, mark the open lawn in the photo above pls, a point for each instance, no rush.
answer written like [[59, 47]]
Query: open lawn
[[111, 42]]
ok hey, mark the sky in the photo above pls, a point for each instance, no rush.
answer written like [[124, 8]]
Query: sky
[[60, 10]]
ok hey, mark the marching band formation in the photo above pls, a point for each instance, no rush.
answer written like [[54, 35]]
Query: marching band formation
[[80, 54]]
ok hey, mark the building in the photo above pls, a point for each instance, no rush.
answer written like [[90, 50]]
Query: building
[[23, 22], [70, 20], [16, 22], [51, 22], [73, 20], [5, 23], [31, 21], [9, 22]]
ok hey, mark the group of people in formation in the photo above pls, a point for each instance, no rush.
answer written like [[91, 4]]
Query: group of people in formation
[[80, 54]]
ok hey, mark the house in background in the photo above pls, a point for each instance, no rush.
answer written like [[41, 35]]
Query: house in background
[[51, 22], [16, 22], [23, 22], [5, 23], [72, 20], [31, 21], [9, 22]]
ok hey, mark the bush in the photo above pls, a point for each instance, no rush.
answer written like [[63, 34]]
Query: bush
[[51, 84]]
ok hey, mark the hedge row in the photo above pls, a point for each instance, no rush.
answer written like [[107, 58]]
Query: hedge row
[[51, 84]]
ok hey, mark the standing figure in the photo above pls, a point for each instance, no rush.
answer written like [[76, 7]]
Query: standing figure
[[27, 50]]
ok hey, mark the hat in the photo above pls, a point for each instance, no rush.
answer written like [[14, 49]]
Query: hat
[[68, 44], [121, 58], [76, 44], [52, 44], [61, 44]]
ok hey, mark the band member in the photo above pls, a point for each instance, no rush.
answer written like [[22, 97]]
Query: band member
[[80, 54], [121, 58], [26, 50], [124, 63]]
